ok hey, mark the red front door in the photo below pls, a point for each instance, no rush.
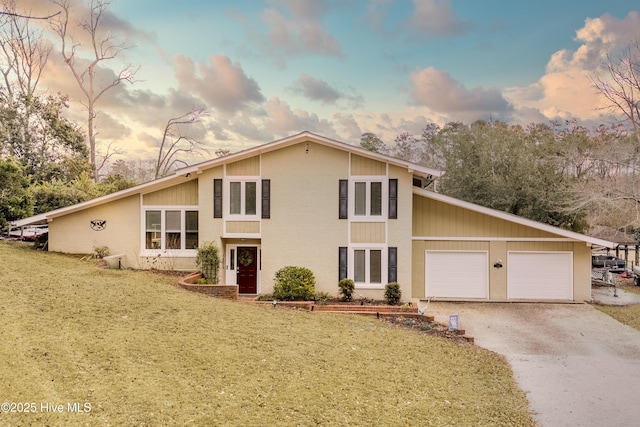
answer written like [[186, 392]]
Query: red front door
[[247, 269]]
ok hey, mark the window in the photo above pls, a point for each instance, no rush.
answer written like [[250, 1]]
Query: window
[[171, 229], [368, 196], [367, 266], [153, 233], [243, 198]]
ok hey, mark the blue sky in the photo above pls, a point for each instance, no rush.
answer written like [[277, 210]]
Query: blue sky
[[268, 69]]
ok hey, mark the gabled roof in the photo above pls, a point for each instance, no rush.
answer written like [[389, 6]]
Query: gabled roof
[[307, 136], [190, 172], [513, 218]]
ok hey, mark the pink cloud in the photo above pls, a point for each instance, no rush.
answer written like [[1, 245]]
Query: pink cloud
[[438, 91], [221, 83]]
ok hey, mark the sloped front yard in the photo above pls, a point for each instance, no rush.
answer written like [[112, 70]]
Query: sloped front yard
[[129, 348]]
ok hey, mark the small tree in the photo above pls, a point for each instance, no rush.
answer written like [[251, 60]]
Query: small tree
[[208, 259], [392, 293], [294, 284], [346, 286]]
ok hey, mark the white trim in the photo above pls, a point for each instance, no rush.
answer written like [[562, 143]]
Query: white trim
[[384, 264], [384, 208], [512, 218], [174, 253], [493, 239], [243, 180], [235, 274], [307, 136]]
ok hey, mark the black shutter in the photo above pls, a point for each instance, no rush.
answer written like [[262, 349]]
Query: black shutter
[[393, 199], [217, 198], [342, 262], [393, 265], [266, 198], [343, 209]]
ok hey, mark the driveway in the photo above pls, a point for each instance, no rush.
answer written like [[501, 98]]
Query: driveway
[[578, 366]]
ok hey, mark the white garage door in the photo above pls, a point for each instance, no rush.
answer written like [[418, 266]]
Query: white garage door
[[456, 274], [540, 275]]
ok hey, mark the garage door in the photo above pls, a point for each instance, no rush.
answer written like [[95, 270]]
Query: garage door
[[540, 275], [456, 274]]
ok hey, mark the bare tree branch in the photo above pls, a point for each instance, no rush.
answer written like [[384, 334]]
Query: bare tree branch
[[174, 142], [17, 15]]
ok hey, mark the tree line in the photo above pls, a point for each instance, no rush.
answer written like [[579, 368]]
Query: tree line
[[561, 174]]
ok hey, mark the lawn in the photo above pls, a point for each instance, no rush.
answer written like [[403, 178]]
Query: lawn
[[129, 348], [630, 314]]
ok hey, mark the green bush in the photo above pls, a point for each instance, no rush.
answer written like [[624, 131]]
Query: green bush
[[208, 259], [294, 284], [346, 286], [392, 293], [322, 298]]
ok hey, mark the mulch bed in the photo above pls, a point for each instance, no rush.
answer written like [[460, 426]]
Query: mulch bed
[[426, 327]]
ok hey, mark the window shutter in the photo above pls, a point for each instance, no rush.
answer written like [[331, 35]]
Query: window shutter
[[393, 265], [266, 198], [342, 262], [343, 209], [393, 199], [217, 198]]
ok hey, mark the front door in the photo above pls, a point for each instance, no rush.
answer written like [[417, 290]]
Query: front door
[[247, 269]]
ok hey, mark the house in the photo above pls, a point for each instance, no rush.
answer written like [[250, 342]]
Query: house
[[338, 210]]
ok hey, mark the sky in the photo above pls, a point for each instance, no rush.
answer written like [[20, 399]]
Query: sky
[[268, 69]]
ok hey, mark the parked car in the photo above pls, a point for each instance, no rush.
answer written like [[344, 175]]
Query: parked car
[[607, 261], [27, 233]]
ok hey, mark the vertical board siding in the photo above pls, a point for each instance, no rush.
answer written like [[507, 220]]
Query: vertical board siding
[[246, 167], [185, 194], [436, 219], [363, 166], [243, 227], [368, 232], [540, 246]]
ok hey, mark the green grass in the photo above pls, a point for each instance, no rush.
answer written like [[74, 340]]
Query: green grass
[[144, 352]]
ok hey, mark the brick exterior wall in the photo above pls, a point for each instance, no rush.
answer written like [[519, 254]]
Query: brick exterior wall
[[218, 291]]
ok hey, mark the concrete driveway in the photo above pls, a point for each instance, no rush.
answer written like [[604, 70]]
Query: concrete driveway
[[578, 366]]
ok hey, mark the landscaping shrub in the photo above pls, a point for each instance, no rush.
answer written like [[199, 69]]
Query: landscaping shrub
[[322, 298], [209, 261], [101, 251], [294, 284], [346, 286], [392, 293]]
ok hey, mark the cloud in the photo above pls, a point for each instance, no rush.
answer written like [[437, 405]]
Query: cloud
[[221, 84], [565, 90], [348, 126], [316, 89], [282, 120], [435, 18], [438, 91], [320, 90], [303, 31]]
